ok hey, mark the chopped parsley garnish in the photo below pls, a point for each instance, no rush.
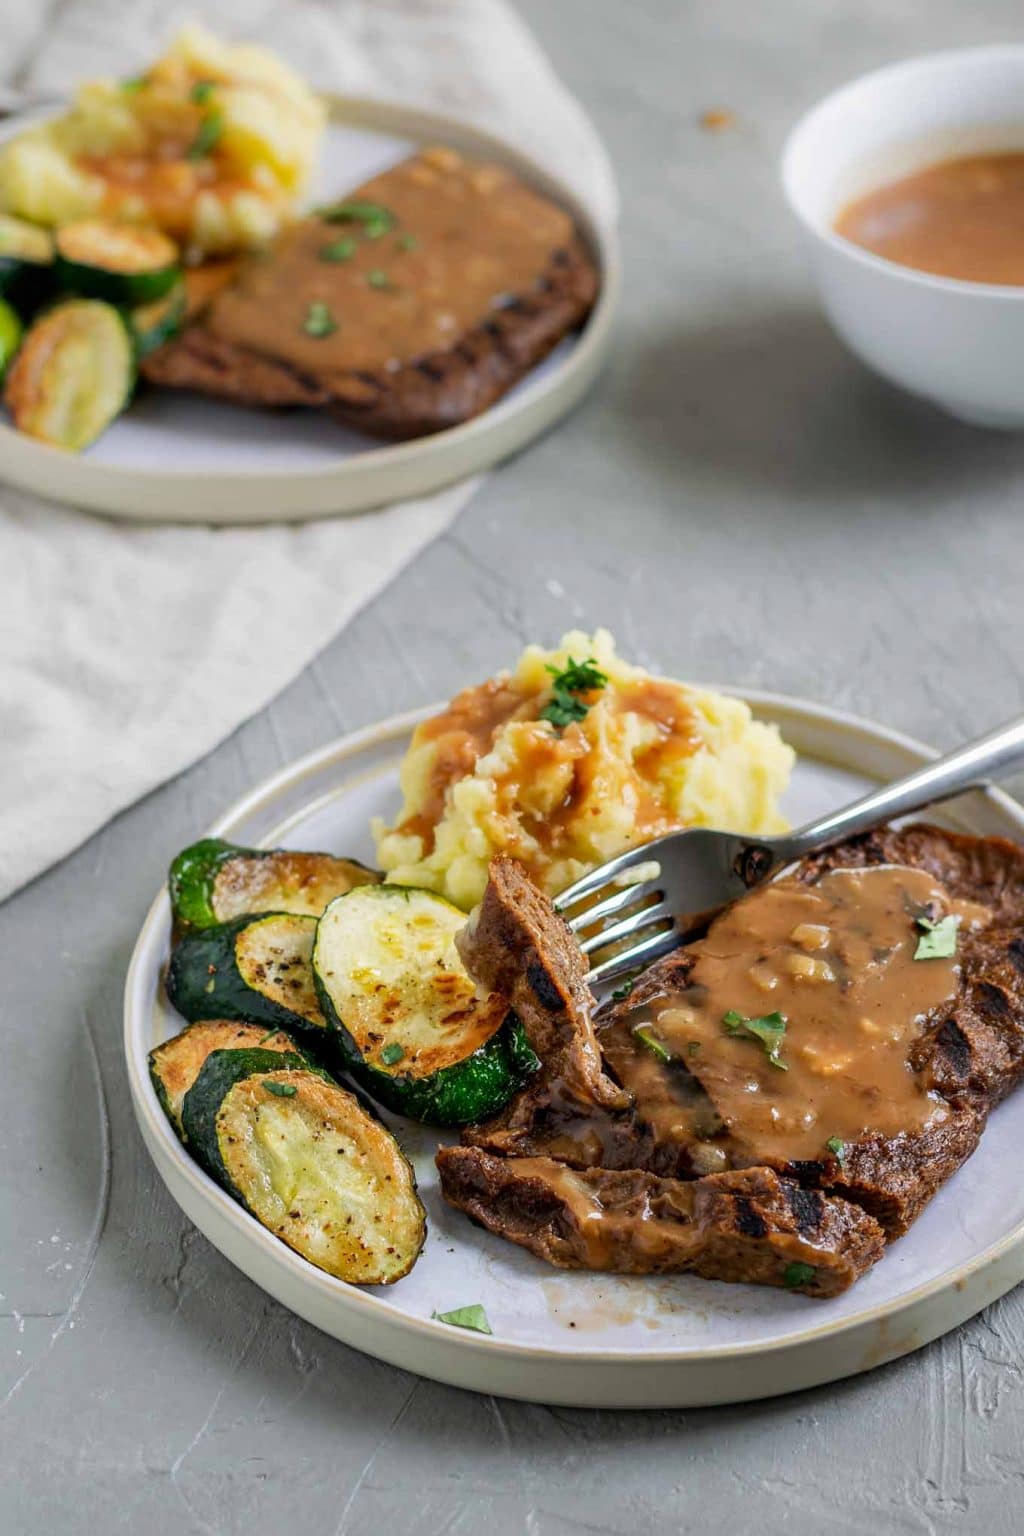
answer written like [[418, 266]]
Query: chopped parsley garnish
[[570, 681], [202, 91], [622, 991], [210, 130], [319, 321], [798, 1274], [379, 279], [271, 1034], [374, 217], [837, 1147], [642, 1032], [338, 250], [473, 1317], [937, 940], [406, 242], [391, 1053], [769, 1030], [282, 1090]]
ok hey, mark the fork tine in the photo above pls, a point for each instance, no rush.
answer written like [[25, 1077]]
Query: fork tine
[[605, 874], [635, 923], [642, 954], [627, 896]]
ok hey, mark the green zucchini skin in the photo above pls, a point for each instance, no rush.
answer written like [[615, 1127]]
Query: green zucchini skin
[[468, 1091], [192, 880], [152, 325], [204, 980], [221, 1071]]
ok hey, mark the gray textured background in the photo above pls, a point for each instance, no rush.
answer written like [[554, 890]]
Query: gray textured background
[[739, 502]]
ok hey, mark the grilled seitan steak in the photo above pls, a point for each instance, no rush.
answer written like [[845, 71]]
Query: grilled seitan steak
[[747, 1225], [931, 1043], [410, 306]]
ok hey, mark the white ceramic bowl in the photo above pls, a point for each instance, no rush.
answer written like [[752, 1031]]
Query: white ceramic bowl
[[958, 344]]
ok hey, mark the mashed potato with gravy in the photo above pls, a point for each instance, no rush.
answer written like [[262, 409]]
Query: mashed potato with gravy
[[489, 775], [212, 145]]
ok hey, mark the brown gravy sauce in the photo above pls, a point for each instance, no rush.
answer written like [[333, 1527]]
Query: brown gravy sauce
[[464, 236], [837, 960], [466, 731], [608, 1230], [963, 218]]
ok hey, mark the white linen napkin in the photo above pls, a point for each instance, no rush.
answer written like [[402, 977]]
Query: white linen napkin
[[127, 652]]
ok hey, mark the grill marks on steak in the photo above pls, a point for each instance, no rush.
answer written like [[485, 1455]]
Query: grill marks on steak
[[502, 259], [748, 1225], [971, 1052]]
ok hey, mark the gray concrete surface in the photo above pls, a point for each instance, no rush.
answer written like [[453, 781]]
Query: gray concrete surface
[[738, 501]]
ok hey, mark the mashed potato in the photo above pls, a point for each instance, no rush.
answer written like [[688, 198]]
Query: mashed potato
[[490, 775], [212, 145]]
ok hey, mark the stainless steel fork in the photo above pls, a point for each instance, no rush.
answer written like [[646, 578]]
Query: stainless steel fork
[[651, 898]]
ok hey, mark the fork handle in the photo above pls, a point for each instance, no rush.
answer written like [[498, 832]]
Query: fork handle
[[980, 762]]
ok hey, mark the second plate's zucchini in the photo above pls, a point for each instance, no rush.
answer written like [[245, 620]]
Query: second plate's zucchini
[[309, 1162], [411, 1025], [175, 1065], [213, 881], [73, 374], [154, 324], [116, 262], [255, 969], [26, 263], [11, 332]]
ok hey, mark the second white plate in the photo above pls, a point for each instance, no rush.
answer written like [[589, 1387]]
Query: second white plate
[[176, 456], [598, 1340]]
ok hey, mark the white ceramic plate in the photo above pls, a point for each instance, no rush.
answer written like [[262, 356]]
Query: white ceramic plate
[[594, 1340], [174, 455]]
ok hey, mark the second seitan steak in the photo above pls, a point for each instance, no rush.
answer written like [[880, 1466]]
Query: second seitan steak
[[409, 306]]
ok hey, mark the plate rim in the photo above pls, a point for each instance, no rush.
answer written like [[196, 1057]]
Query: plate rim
[[159, 1137], [391, 471]]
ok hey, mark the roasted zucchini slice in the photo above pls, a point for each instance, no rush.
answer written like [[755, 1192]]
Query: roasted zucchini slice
[[26, 263], [117, 262], [73, 373], [255, 969], [412, 1029], [309, 1162], [154, 324], [214, 881], [175, 1065], [11, 332]]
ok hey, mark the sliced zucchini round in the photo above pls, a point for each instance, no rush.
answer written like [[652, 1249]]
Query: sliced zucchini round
[[255, 968], [175, 1065], [117, 262], [26, 263], [214, 881], [411, 1026], [154, 324], [11, 332], [310, 1163], [73, 374]]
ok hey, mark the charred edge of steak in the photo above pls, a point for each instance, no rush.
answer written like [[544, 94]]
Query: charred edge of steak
[[423, 396], [748, 1225], [515, 943]]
